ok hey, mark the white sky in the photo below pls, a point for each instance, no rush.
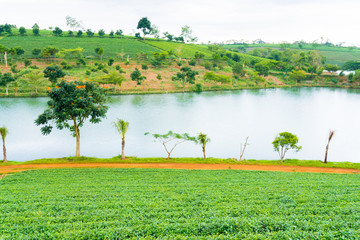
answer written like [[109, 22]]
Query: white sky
[[270, 20]]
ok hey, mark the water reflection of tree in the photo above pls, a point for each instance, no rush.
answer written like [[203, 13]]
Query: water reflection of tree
[[185, 98], [138, 100], [26, 102], [118, 100]]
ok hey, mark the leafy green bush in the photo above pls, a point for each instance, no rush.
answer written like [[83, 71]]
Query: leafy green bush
[[198, 87], [144, 67], [208, 65], [297, 75], [65, 65], [111, 62], [211, 76], [192, 62]]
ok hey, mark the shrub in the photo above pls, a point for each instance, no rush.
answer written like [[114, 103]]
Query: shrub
[[208, 65], [211, 76], [80, 61], [27, 62], [158, 77], [65, 65], [238, 69], [144, 67], [297, 75], [111, 62], [262, 68], [34, 67], [254, 76], [192, 62], [13, 68], [36, 52], [198, 87]]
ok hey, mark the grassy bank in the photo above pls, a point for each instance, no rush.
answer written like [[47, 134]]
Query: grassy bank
[[287, 162], [178, 204]]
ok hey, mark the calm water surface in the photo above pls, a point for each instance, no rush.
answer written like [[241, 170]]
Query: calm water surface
[[227, 117]]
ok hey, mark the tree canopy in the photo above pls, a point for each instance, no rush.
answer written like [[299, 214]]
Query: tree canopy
[[285, 141], [53, 73], [172, 137], [145, 26], [186, 75], [70, 104]]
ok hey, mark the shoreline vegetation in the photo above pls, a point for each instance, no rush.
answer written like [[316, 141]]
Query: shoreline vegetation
[[229, 161], [126, 93], [124, 65]]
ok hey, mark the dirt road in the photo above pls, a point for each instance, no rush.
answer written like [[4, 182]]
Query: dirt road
[[24, 167]]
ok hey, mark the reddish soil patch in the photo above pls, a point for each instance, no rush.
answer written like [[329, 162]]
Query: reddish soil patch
[[24, 167]]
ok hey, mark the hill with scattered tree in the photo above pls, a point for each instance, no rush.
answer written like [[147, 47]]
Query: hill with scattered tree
[[31, 60], [334, 54]]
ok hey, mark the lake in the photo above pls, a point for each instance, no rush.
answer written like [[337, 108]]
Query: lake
[[227, 117]]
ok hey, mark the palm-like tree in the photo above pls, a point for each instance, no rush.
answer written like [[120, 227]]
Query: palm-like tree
[[331, 134], [203, 140], [36, 78], [3, 132], [122, 127], [116, 78]]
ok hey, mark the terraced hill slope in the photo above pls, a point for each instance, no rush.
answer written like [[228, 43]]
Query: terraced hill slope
[[334, 55]]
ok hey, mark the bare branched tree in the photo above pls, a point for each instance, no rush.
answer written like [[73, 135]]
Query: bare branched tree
[[242, 148]]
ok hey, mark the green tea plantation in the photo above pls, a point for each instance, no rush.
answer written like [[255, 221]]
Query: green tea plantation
[[178, 204]]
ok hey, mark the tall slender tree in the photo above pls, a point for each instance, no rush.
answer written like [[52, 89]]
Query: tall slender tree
[[122, 127], [331, 134], [3, 132], [203, 140]]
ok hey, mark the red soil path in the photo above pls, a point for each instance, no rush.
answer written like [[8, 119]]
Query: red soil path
[[24, 167]]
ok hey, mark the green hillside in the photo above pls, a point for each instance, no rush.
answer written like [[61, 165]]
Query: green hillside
[[333, 54], [181, 49], [112, 46]]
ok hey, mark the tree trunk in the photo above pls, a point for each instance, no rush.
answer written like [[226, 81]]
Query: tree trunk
[[7, 91], [242, 150], [5, 57], [77, 134], [4, 151], [36, 90], [326, 153], [123, 149], [203, 148], [168, 156], [77, 145]]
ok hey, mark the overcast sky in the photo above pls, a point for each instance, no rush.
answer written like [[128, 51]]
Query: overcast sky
[[270, 20]]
